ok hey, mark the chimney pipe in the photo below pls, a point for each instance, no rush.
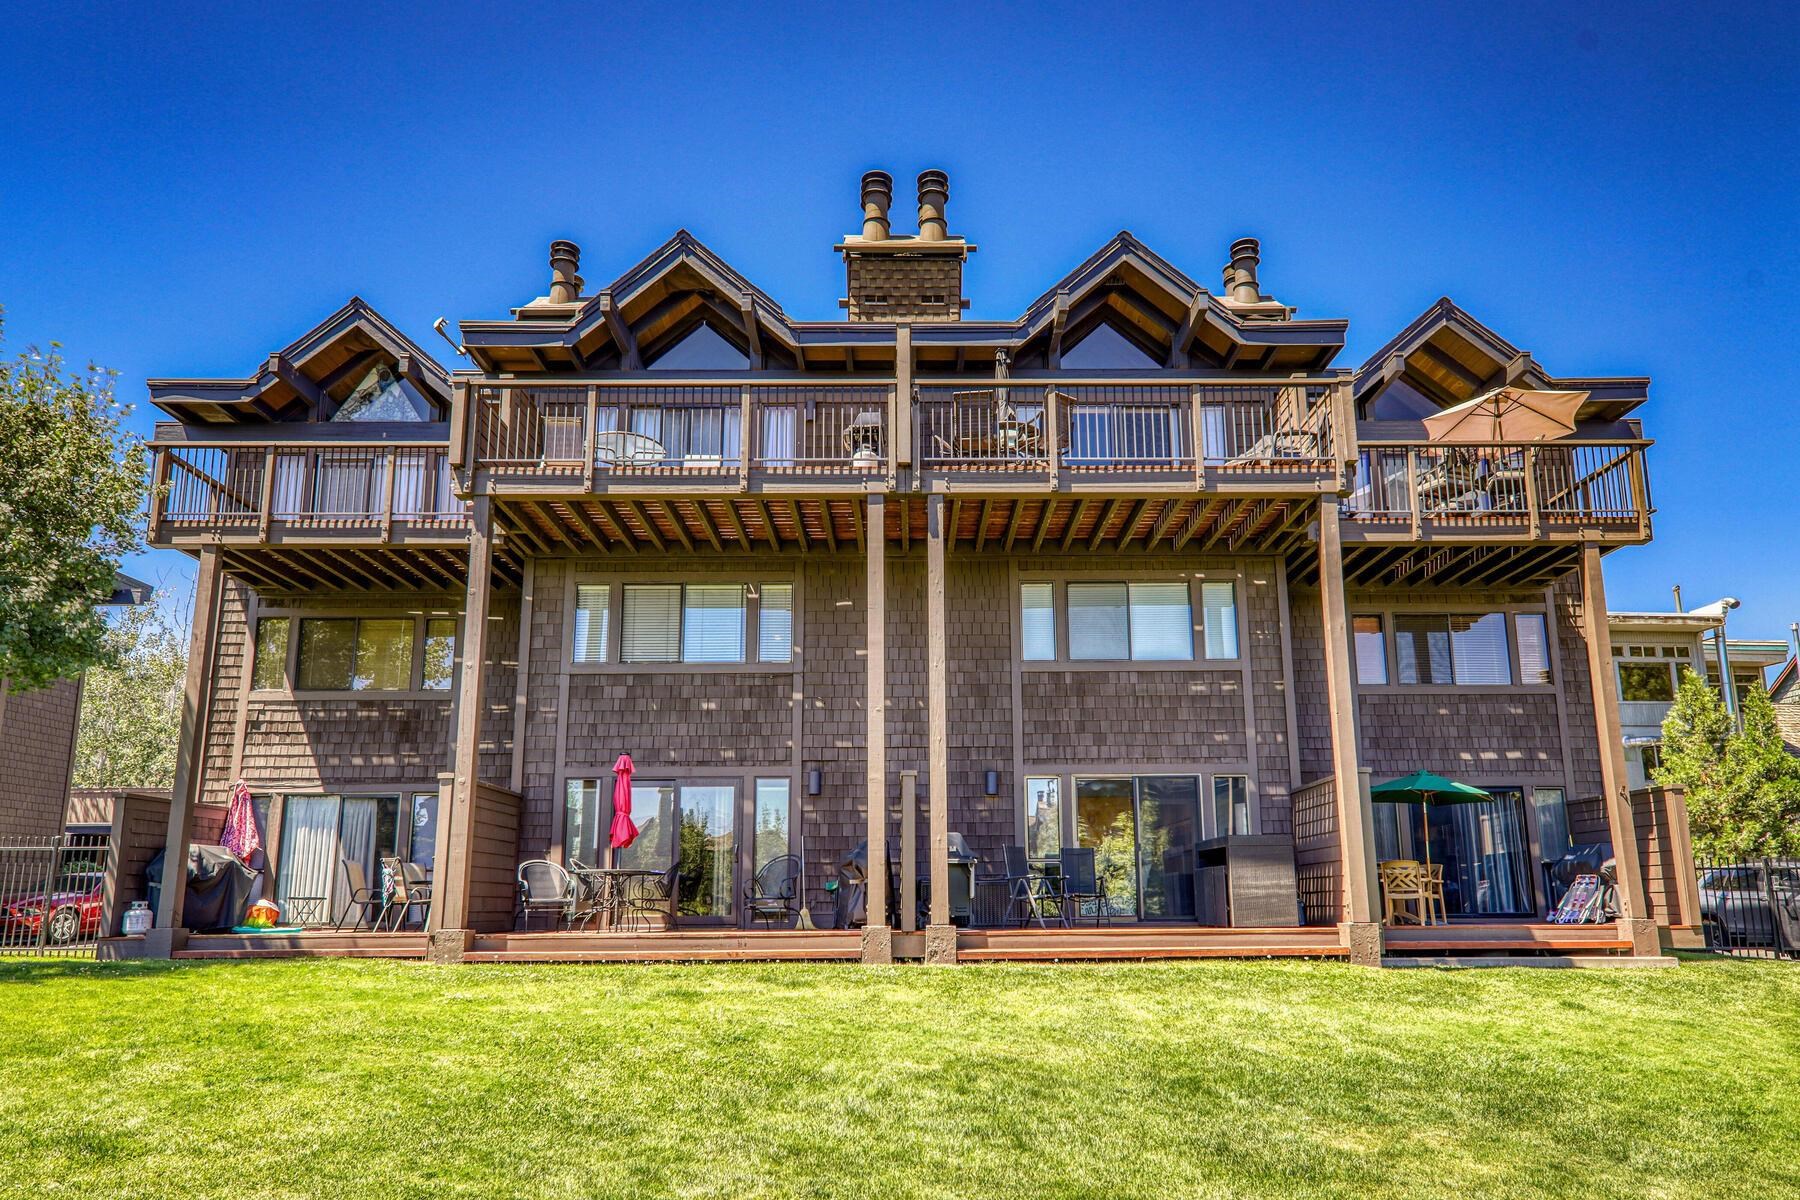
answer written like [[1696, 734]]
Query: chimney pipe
[[1240, 274], [877, 194], [1678, 607], [934, 194], [565, 261]]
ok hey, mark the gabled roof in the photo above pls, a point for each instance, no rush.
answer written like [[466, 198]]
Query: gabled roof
[[128, 591], [613, 320], [1784, 679], [1449, 356], [311, 371]]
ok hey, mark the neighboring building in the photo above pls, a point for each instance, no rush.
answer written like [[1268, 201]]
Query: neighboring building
[[38, 730], [1751, 660], [1785, 692], [1139, 570], [1650, 650]]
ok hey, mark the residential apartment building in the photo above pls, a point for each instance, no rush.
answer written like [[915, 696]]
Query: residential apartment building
[[1140, 569]]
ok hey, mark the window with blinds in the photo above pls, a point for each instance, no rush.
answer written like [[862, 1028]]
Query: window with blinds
[[712, 623], [1534, 647], [1479, 650], [593, 616], [1162, 622], [1037, 621], [775, 623], [1371, 649], [1099, 621], [651, 629], [1218, 611], [1459, 648]]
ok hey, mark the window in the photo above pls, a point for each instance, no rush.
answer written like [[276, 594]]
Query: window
[[1534, 647], [1458, 648], [1162, 623], [684, 623], [381, 395], [581, 822], [1037, 621], [1043, 816], [1646, 681], [270, 671], [1099, 621], [1552, 813], [593, 610], [1371, 650], [1230, 806], [356, 654], [440, 654], [1218, 606], [771, 823]]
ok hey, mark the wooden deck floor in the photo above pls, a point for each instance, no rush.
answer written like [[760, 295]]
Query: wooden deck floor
[[310, 944], [1146, 941], [681, 945]]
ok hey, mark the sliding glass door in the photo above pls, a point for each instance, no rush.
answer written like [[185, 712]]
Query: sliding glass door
[[1484, 849], [1143, 830], [330, 844]]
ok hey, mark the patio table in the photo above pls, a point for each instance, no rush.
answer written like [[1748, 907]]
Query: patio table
[[606, 885]]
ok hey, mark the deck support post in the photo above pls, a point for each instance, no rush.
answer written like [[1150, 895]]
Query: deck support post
[[456, 804], [878, 935], [1355, 812], [940, 935], [166, 934], [1634, 913]]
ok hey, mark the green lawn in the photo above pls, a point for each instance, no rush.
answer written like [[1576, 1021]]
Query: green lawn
[[388, 1080]]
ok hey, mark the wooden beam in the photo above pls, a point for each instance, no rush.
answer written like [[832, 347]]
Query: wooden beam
[[1178, 357], [1128, 533], [829, 524], [799, 526], [1602, 683], [736, 522], [1164, 521], [768, 521], [289, 374], [937, 693], [651, 533], [622, 334], [1012, 524], [705, 522], [1105, 521], [1074, 522], [545, 514], [856, 522], [875, 718], [578, 510], [454, 873], [1355, 815], [616, 527], [675, 522], [987, 508], [1045, 513], [1198, 519], [196, 702]]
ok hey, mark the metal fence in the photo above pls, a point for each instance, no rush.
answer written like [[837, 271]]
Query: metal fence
[[1752, 907], [53, 894]]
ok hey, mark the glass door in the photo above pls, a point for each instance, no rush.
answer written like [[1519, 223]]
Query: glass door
[[322, 838], [706, 883], [1106, 821], [1167, 830], [1485, 855]]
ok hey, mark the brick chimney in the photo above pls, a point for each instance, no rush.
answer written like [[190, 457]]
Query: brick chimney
[[899, 277]]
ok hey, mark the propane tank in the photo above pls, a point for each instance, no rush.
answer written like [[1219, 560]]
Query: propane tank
[[138, 918]]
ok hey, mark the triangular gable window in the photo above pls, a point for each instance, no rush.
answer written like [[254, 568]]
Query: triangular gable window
[[382, 395], [1106, 349], [702, 350]]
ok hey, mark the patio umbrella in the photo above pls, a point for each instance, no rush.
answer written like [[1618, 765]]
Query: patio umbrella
[[623, 832], [1507, 414], [1425, 789]]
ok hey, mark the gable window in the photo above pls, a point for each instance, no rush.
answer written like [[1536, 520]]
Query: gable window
[[381, 395], [700, 623], [1128, 621], [1106, 349], [702, 350]]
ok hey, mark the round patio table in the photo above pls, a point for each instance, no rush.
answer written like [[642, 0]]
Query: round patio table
[[606, 886]]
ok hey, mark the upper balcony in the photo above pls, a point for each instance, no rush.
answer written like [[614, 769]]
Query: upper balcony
[[1051, 433]]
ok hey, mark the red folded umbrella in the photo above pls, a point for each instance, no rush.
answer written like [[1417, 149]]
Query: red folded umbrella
[[623, 832]]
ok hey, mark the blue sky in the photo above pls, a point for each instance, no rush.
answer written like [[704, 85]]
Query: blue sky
[[1611, 188]]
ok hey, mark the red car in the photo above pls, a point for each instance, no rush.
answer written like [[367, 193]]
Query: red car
[[74, 912]]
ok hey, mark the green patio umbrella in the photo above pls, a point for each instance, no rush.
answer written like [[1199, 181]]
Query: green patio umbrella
[[1424, 788]]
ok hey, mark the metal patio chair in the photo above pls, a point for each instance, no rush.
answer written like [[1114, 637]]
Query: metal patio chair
[[544, 887], [1082, 882], [774, 894], [1028, 891], [407, 889], [365, 902]]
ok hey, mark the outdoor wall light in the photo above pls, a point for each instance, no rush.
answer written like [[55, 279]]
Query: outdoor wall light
[[813, 781], [993, 783]]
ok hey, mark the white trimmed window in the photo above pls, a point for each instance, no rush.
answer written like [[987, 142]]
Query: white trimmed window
[[1135, 621], [698, 623]]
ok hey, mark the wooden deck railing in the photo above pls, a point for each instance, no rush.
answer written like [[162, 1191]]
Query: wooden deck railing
[[1095, 427], [1539, 486], [681, 428], [252, 488]]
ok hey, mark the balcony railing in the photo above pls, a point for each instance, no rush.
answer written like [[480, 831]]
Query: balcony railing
[[1110, 427], [636, 429], [247, 488], [1543, 486]]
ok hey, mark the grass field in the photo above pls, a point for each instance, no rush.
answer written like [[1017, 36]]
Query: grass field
[[388, 1080]]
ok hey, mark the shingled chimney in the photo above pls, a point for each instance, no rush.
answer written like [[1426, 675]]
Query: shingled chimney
[[899, 277]]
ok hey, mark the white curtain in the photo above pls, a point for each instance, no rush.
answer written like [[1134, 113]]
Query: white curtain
[[309, 845], [358, 846], [777, 448]]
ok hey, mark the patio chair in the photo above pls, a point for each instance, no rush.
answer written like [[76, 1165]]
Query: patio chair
[[407, 889], [1402, 884], [1028, 891], [773, 895], [544, 887], [1433, 887], [364, 900], [647, 897], [1082, 881]]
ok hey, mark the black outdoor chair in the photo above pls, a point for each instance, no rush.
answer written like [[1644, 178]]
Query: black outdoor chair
[[773, 895], [365, 902], [1082, 882], [1028, 891], [544, 887], [648, 896]]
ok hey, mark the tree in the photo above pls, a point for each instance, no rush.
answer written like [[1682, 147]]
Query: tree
[[1742, 786], [72, 489], [131, 707]]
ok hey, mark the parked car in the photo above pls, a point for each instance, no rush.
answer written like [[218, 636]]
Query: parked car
[[1735, 903], [74, 911]]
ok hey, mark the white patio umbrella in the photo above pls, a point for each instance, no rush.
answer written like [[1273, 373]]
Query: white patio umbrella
[[1507, 414]]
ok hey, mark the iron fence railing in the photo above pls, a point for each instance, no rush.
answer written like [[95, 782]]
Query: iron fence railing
[[53, 894], [1751, 907]]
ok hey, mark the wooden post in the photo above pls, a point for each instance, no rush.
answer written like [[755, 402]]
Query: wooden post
[[391, 457], [1533, 505], [1412, 488], [746, 428], [268, 494], [909, 851], [1197, 431], [940, 945], [208, 595], [593, 420], [1633, 911], [450, 900], [159, 491], [878, 943], [900, 423], [1355, 818]]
